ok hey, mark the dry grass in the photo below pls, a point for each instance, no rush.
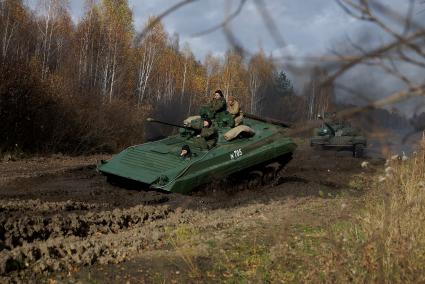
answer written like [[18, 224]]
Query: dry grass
[[394, 223], [387, 241], [382, 240]]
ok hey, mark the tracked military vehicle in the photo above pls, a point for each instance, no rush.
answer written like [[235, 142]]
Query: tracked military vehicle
[[255, 151], [339, 136]]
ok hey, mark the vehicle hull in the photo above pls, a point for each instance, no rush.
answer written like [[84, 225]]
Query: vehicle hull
[[158, 165]]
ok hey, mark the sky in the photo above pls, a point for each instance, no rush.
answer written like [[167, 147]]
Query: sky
[[308, 27]]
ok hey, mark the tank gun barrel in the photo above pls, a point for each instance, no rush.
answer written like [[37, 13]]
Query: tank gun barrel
[[149, 119], [267, 120]]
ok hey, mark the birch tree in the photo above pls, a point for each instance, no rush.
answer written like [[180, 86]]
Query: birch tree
[[261, 72], [50, 12], [211, 66], [319, 97], [118, 32], [9, 23], [18, 33], [89, 46], [147, 54]]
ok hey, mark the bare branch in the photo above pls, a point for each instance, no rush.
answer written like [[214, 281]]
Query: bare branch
[[375, 53], [409, 17], [270, 24], [224, 23], [163, 15]]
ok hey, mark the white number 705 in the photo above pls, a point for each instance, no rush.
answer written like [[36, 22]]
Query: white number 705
[[236, 154]]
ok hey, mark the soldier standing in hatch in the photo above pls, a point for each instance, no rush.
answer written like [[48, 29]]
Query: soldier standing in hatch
[[185, 152], [234, 110]]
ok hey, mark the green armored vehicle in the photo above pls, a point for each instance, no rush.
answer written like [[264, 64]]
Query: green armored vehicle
[[339, 136], [255, 151]]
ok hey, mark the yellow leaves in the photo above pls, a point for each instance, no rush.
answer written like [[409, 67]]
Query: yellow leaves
[[198, 83], [118, 12]]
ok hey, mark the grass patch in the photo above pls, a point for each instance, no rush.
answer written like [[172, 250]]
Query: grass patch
[[183, 240], [383, 240]]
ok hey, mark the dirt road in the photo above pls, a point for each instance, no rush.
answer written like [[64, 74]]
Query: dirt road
[[60, 220]]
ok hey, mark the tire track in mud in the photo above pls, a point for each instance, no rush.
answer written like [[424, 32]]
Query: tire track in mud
[[60, 220], [39, 206], [41, 244]]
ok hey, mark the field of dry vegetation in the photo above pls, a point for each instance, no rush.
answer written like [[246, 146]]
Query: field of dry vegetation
[[327, 219], [382, 241], [380, 238]]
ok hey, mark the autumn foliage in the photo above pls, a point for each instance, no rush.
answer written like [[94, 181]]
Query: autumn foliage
[[89, 86]]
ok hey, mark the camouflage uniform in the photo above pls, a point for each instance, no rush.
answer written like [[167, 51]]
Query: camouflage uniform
[[224, 119], [214, 107], [217, 105], [207, 137], [209, 134]]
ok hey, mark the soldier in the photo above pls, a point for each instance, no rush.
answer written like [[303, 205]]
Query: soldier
[[234, 110], [185, 152], [208, 135], [216, 105]]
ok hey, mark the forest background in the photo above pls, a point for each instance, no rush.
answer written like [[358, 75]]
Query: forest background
[[87, 87]]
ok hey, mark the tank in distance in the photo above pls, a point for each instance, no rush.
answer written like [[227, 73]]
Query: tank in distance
[[338, 135]]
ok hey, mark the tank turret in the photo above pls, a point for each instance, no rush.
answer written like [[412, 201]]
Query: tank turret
[[331, 129]]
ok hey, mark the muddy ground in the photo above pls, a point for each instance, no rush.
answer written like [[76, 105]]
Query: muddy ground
[[61, 222]]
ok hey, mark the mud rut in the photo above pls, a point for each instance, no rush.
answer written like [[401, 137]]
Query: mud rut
[[59, 221]]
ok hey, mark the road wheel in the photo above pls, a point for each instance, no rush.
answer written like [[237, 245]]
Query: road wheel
[[270, 172], [358, 150], [254, 179]]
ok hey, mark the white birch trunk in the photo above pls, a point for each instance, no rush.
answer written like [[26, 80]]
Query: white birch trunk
[[145, 69], [45, 40], [184, 80], [253, 83], [114, 67]]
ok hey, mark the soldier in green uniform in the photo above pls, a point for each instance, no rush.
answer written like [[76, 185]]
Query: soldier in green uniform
[[208, 135], [216, 105]]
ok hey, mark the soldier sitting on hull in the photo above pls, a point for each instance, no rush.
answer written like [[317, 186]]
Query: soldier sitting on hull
[[215, 106], [234, 110], [218, 103], [208, 135]]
